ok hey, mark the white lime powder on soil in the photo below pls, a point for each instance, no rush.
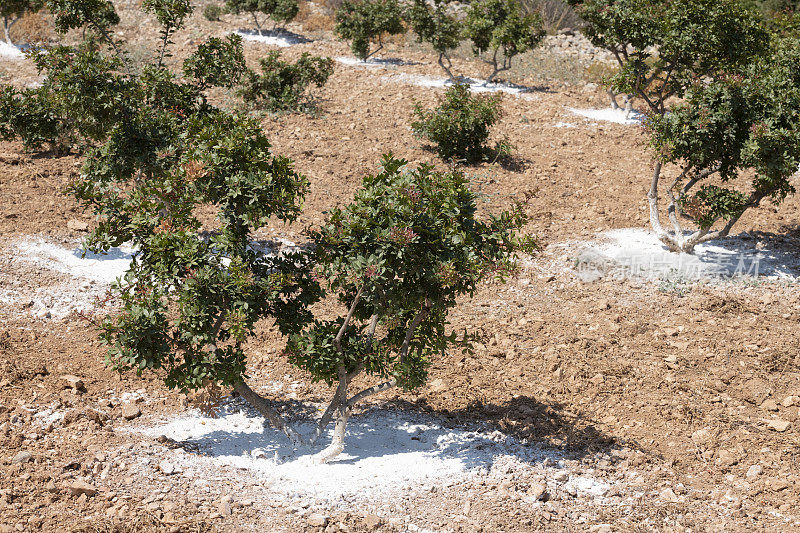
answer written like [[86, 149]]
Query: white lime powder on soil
[[387, 451]]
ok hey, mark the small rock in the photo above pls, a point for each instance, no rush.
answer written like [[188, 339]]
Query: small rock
[[21, 457], [778, 484], [789, 401], [372, 522], [317, 520], [668, 495], [224, 508], [600, 528], [561, 476], [779, 425], [79, 488], [166, 468], [130, 411], [437, 385], [671, 359], [754, 471], [537, 491], [77, 225], [73, 382], [702, 436], [769, 405]]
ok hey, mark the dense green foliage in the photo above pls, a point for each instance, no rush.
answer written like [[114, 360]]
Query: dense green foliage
[[363, 21], [459, 127], [663, 48], [433, 24], [217, 63], [157, 152], [731, 125], [280, 11], [82, 97], [398, 257], [501, 29], [281, 86], [213, 12]]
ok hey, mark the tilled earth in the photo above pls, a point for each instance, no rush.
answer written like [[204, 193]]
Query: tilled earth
[[687, 403]]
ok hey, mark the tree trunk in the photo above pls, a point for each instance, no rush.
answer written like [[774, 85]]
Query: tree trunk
[[6, 28], [262, 406], [339, 405]]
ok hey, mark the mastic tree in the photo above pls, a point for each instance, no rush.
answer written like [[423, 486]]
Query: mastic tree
[[281, 86], [663, 48], [459, 126], [398, 258], [434, 25], [363, 22], [13, 10], [280, 11], [728, 131], [501, 29], [710, 60]]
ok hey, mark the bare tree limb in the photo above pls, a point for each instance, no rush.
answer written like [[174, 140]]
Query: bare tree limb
[[338, 340]]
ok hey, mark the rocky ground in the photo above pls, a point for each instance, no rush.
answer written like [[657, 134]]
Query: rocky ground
[[608, 403]]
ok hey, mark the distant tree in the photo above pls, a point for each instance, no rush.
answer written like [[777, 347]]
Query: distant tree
[[364, 21], [434, 25], [460, 126], [501, 28], [280, 11], [281, 86], [13, 10]]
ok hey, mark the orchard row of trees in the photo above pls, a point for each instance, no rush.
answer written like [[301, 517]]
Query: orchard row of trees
[[722, 90], [499, 30], [396, 258]]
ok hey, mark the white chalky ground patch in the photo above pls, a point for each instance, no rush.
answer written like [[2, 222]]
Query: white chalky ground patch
[[476, 86], [618, 116], [386, 451], [9, 51], [282, 40], [100, 268], [89, 277], [636, 251]]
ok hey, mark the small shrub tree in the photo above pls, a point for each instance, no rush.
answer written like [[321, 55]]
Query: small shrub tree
[[398, 258], [281, 86], [501, 28], [13, 10], [459, 127], [434, 25], [217, 63], [725, 127], [213, 12], [280, 11], [363, 21]]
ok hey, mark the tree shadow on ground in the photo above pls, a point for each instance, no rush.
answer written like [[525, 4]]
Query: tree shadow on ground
[[550, 425]]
